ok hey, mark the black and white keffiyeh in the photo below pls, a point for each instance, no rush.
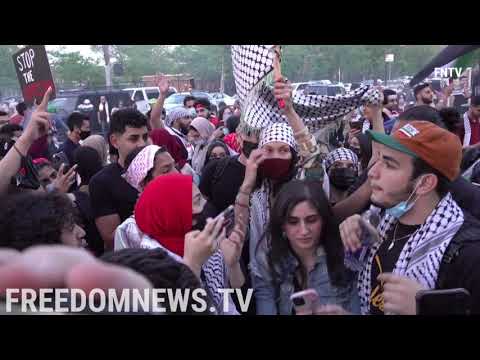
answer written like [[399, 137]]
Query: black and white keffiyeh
[[468, 130], [252, 69], [340, 154], [278, 132], [421, 256]]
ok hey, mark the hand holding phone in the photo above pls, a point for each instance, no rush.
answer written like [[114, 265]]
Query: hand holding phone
[[443, 302], [305, 301], [229, 222]]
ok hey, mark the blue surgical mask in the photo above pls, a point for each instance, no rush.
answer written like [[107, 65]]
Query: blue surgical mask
[[402, 207]]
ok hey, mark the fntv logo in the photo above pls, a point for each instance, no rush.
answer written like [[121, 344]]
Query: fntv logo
[[447, 72]]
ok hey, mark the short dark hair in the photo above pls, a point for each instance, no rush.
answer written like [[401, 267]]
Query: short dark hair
[[420, 167], [232, 123], [475, 100], [160, 269], [127, 117], [88, 162], [21, 107], [419, 88], [75, 120], [9, 129], [187, 99], [386, 94], [35, 218], [203, 101], [451, 118], [422, 113]]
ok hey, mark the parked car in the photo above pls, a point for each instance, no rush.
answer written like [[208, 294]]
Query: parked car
[[329, 90], [219, 97], [144, 96], [67, 102]]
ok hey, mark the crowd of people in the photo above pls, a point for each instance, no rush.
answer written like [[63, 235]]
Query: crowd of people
[[146, 204]]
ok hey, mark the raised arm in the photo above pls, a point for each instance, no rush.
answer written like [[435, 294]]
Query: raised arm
[[156, 114]]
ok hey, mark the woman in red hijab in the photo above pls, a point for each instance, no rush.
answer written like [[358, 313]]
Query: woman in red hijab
[[165, 213]]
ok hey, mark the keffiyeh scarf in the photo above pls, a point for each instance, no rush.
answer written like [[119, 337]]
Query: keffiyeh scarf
[[422, 255], [137, 171], [468, 130], [341, 154], [253, 67]]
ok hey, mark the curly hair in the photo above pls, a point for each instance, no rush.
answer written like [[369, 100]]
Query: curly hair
[[157, 266], [32, 219]]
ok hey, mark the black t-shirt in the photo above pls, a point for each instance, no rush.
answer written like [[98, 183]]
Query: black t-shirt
[[385, 260], [222, 191], [69, 147], [111, 194], [93, 238]]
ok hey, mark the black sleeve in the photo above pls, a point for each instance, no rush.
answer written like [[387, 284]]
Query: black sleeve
[[465, 273], [101, 198], [206, 179], [466, 195]]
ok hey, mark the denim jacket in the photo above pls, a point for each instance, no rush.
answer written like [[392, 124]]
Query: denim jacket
[[272, 301]]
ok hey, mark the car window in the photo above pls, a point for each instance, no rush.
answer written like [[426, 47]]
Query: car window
[[152, 94], [139, 96], [175, 99]]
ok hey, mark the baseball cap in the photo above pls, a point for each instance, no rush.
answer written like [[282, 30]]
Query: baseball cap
[[438, 147], [420, 87]]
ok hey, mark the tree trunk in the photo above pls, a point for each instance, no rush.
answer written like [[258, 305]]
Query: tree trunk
[[108, 68]]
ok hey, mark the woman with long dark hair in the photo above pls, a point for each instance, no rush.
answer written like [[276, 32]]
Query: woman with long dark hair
[[303, 251]]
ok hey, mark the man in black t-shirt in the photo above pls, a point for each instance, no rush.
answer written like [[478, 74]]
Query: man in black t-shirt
[[422, 221], [113, 199], [79, 125]]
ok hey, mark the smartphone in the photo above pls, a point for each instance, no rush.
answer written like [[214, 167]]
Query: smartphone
[[59, 159], [356, 125], [443, 302], [304, 301], [229, 216]]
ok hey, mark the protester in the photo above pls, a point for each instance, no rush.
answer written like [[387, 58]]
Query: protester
[[103, 114], [163, 272], [168, 208], [145, 164], [199, 135], [161, 137], [52, 179], [304, 252], [422, 222], [221, 180], [79, 126], [231, 138], [37, 128], [99, 144], [465, 194], [341, 166], [189, 102], [217, 150], [204, 109], [470, 131], [178, 124], [113, 199], [17, 119], [35, 219], [390, 109], [423, 94], [224, 114], [11, 132]]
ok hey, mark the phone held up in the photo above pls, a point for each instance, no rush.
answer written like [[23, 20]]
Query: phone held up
[[229, 219], [304, 301]]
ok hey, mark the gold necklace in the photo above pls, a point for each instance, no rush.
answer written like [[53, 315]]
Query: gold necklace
[[394, 240]]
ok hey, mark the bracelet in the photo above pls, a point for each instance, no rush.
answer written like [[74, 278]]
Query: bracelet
[[300, 133], [243, 192], [18, 151], [241, 205]]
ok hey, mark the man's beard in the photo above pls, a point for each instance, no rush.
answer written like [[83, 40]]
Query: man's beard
[[427, 101], [407, 192]]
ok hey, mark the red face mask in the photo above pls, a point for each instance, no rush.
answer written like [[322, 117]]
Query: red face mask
[[274, 169]]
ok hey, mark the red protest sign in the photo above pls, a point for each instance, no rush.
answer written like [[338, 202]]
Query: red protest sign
[[33, 72]]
